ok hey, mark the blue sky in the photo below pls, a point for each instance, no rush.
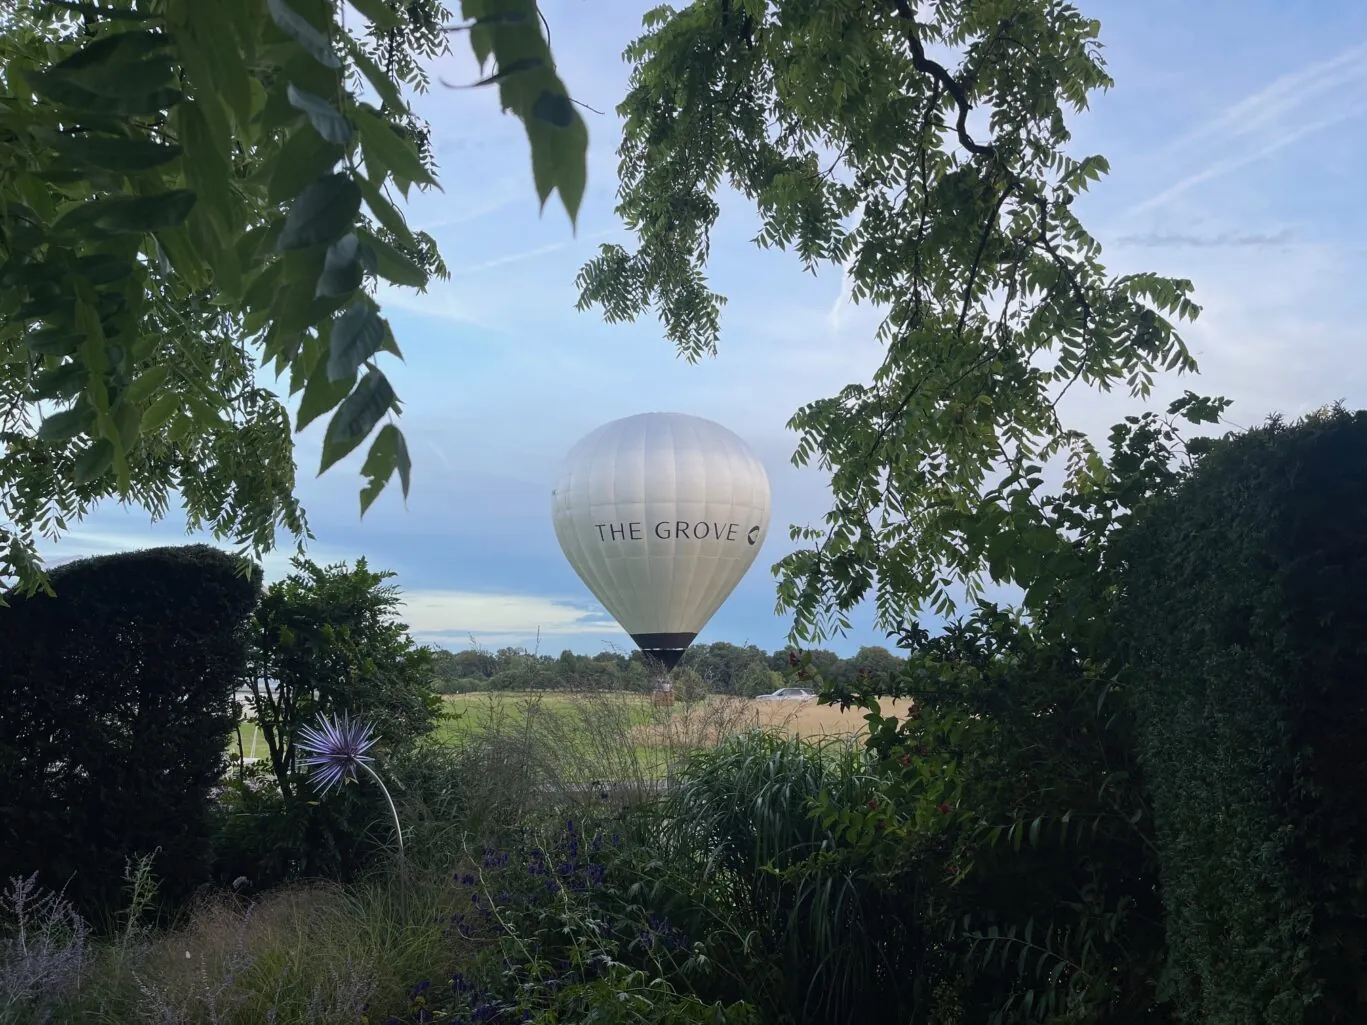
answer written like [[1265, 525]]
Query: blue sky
[[1236, 139]]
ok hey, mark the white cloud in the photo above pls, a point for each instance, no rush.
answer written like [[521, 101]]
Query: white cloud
[[1292, 107], [457, 615]]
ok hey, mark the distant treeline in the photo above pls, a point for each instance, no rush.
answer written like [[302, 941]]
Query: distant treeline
[[721, 668]]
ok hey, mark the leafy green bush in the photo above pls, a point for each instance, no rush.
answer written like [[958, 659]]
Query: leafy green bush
[[1010, 807], [115, 719], [326, 639], [1245, 621]]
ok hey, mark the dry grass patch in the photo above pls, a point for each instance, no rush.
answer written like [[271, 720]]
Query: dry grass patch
[[808, 719]]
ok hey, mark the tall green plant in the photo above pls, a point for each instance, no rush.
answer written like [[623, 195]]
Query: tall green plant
[[741, 863]]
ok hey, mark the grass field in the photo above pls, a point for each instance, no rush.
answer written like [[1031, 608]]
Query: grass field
[[806, 719], [614, 735]]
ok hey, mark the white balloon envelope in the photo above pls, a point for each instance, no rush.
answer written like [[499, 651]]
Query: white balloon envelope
[[661, 514]]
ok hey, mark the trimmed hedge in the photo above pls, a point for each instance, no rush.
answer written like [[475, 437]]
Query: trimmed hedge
[[115, 709], [1245, 627]]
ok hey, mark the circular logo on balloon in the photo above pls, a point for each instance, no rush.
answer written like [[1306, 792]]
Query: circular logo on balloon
[[753, 536]]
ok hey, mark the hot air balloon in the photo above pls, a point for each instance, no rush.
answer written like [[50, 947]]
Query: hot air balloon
[[661, 514]]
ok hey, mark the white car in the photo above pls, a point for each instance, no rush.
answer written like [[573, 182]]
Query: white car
[[789, 694]]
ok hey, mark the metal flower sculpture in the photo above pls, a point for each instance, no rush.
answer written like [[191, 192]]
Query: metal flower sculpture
[[334, 749]]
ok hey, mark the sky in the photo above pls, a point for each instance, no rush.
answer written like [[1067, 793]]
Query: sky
[[1235, 134]]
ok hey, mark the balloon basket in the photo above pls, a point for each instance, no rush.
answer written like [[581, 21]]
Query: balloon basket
[[663, 698]]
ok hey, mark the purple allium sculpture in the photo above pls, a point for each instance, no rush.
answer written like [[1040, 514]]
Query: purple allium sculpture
[[334, 749]]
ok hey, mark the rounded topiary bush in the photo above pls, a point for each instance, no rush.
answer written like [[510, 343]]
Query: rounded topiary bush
[[116, 703]]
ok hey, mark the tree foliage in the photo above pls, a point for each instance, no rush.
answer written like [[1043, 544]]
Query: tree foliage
[[115, 714], [189, 190], [721, 668], [944, 192]]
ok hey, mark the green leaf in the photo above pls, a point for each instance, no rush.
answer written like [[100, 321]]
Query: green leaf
[[140, 389], [294, 25], [342, 271], [67, 94], [93, 350], [384, 211], [356, 417], [385, 148], [53, 341], [326, 121], [64, 381], [374, 74], [125, 80], [560, 164], [222, 48], [202, 411], [323, 213], [389, 451], [207, 169], [67, 424], [320, 393], [110, 153], [306, 156], [554, 108], [127, 425], [127, 46], [159, 412], [180, 427], [94, 461], [393, 265], [125, 214], [104, 268], [378, 13], [1041, 539], [356, 336]]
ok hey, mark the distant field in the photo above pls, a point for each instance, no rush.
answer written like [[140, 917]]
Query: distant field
[[806, 719], [617, 734]]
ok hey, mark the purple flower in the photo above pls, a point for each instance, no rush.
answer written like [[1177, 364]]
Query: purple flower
[[335, 749]]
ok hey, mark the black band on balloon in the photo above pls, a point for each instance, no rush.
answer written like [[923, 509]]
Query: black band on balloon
[[667, 649]]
